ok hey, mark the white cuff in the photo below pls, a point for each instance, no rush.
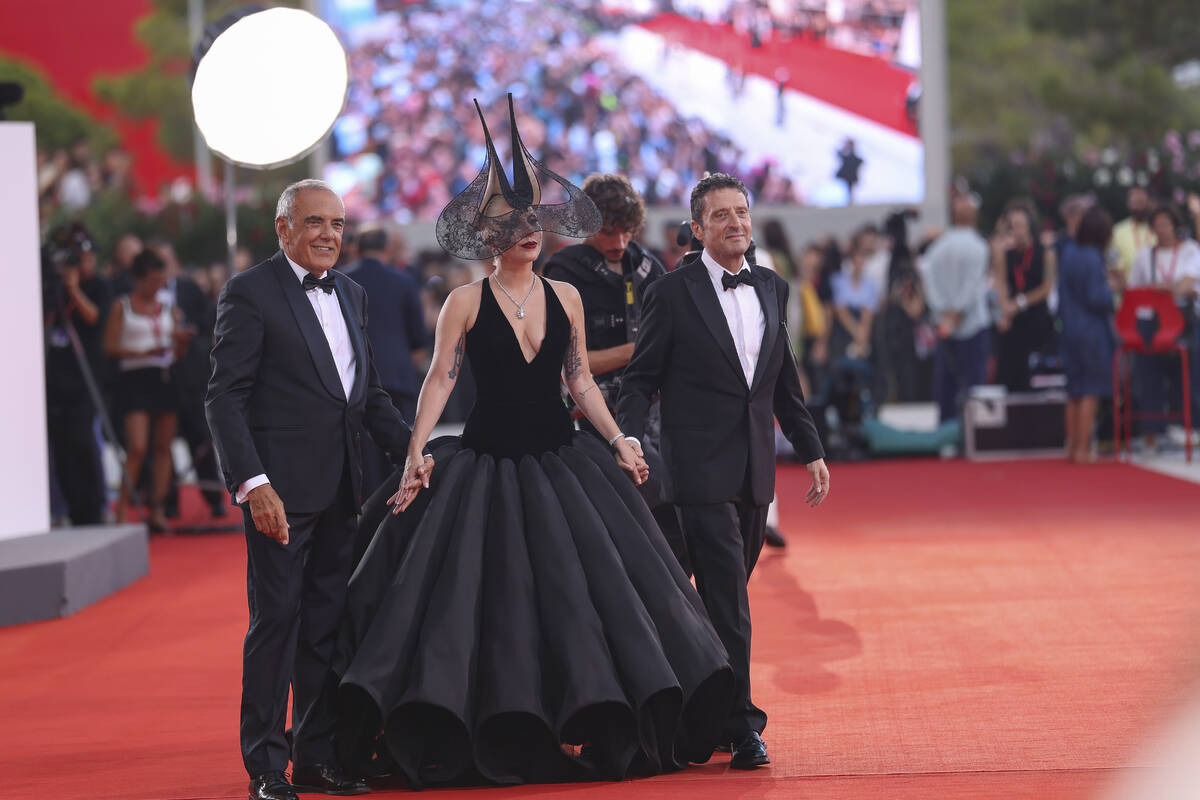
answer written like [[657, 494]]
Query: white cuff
[[251, 484]]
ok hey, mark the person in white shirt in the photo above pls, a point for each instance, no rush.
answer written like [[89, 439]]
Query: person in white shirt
[[293, 390], [956, 286], [714, 345]]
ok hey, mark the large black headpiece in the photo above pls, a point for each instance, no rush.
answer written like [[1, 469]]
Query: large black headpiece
[[492, 214]]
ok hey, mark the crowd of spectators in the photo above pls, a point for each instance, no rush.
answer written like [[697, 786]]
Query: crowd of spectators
[[870, 27], [69, 178], [1030, 307], [407, 143], [875, 319]]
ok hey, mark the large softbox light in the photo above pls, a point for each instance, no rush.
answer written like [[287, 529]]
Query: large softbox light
[[268, 85]]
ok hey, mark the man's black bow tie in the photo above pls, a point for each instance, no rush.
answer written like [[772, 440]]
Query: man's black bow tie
[[731, 281], [313, 282]]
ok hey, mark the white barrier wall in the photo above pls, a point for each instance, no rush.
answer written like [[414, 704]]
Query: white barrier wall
[[24, 469]]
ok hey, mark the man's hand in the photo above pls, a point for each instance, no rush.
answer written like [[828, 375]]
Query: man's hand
[[70, 277], [266, 509], [820, 483], [948, 323]]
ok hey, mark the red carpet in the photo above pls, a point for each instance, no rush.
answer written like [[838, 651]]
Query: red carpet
[[866, 86], [938, 629]]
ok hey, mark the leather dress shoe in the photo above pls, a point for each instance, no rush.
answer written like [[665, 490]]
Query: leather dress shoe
[[272, 786], [774, 538], [750, 752], [327, 779]]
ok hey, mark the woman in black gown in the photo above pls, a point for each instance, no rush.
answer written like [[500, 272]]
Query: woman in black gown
[[519, 616]]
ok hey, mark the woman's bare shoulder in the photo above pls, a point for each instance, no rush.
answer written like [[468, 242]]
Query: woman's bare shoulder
[[565, 292]]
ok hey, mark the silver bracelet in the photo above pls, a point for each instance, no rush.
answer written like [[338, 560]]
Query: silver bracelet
[[633, 439], [613, 441]]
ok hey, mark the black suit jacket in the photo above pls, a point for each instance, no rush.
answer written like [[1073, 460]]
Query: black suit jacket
[[275, 403], [718, 433]]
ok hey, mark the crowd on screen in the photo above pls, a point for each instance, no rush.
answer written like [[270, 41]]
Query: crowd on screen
[[406, 143]]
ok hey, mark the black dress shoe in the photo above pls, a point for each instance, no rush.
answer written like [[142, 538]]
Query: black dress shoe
[[774, 538], [272, 786], [750, 752], [327, 779]]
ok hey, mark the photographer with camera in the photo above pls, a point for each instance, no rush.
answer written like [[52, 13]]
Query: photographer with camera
[[612, 272], [72, 298]]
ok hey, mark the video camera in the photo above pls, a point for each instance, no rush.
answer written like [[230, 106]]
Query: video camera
[[64, 250]]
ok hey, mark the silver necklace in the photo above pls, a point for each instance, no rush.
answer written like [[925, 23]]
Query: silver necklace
[[521, 305]]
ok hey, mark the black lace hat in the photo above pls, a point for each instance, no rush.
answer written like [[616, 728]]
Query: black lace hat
[[492, 214]]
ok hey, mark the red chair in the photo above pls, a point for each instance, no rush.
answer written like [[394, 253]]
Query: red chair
[[1165, 342]]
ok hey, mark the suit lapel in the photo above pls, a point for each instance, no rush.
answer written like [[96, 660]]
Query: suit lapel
[[354, 325], [764, 287], [705, 297], [310, 326]]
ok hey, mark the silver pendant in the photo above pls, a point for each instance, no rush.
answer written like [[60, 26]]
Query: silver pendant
[[520, 313]]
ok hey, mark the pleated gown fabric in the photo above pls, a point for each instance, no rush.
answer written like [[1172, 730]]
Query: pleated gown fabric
[[524, 620]]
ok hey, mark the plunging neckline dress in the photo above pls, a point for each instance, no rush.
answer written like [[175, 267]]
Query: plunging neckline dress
[[524, 620]]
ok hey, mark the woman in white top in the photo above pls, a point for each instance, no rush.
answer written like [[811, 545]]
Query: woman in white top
[[1173, 264], [145, 336]]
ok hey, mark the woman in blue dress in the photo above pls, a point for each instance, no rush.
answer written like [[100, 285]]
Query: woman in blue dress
[[1085, 306]]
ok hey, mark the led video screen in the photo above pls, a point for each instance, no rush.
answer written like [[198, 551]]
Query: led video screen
[[810, 102]]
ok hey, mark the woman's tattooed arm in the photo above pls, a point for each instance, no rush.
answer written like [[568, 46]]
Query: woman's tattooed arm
[[573, 361], [459, 348]]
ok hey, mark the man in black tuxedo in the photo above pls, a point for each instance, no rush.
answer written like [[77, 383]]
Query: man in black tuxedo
[[293, 386], [714, 343]]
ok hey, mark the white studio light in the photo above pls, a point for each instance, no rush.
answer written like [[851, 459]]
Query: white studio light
[[270, 87]]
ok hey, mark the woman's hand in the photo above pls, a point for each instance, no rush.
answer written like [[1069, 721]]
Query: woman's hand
[[631, 461], [417, 471], [820, 351]]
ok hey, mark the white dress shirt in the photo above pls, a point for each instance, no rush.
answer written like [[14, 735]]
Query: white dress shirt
[[743, 314], [337, 334]]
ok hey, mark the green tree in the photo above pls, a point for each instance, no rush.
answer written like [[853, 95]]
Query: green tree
[[1073, 75], [161, 89], [58, 123]]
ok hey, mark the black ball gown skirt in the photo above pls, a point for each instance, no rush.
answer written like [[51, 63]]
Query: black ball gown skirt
[[524, 621]]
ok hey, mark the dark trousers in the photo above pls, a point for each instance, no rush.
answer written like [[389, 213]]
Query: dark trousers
[[76, 459], [296, 596], [654, 493], [377, 466], [958, 364], [724, 540], [1158, 388]]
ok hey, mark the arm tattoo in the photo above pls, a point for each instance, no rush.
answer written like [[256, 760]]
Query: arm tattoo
[[573, 361], [583, 394], [458, 357]]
